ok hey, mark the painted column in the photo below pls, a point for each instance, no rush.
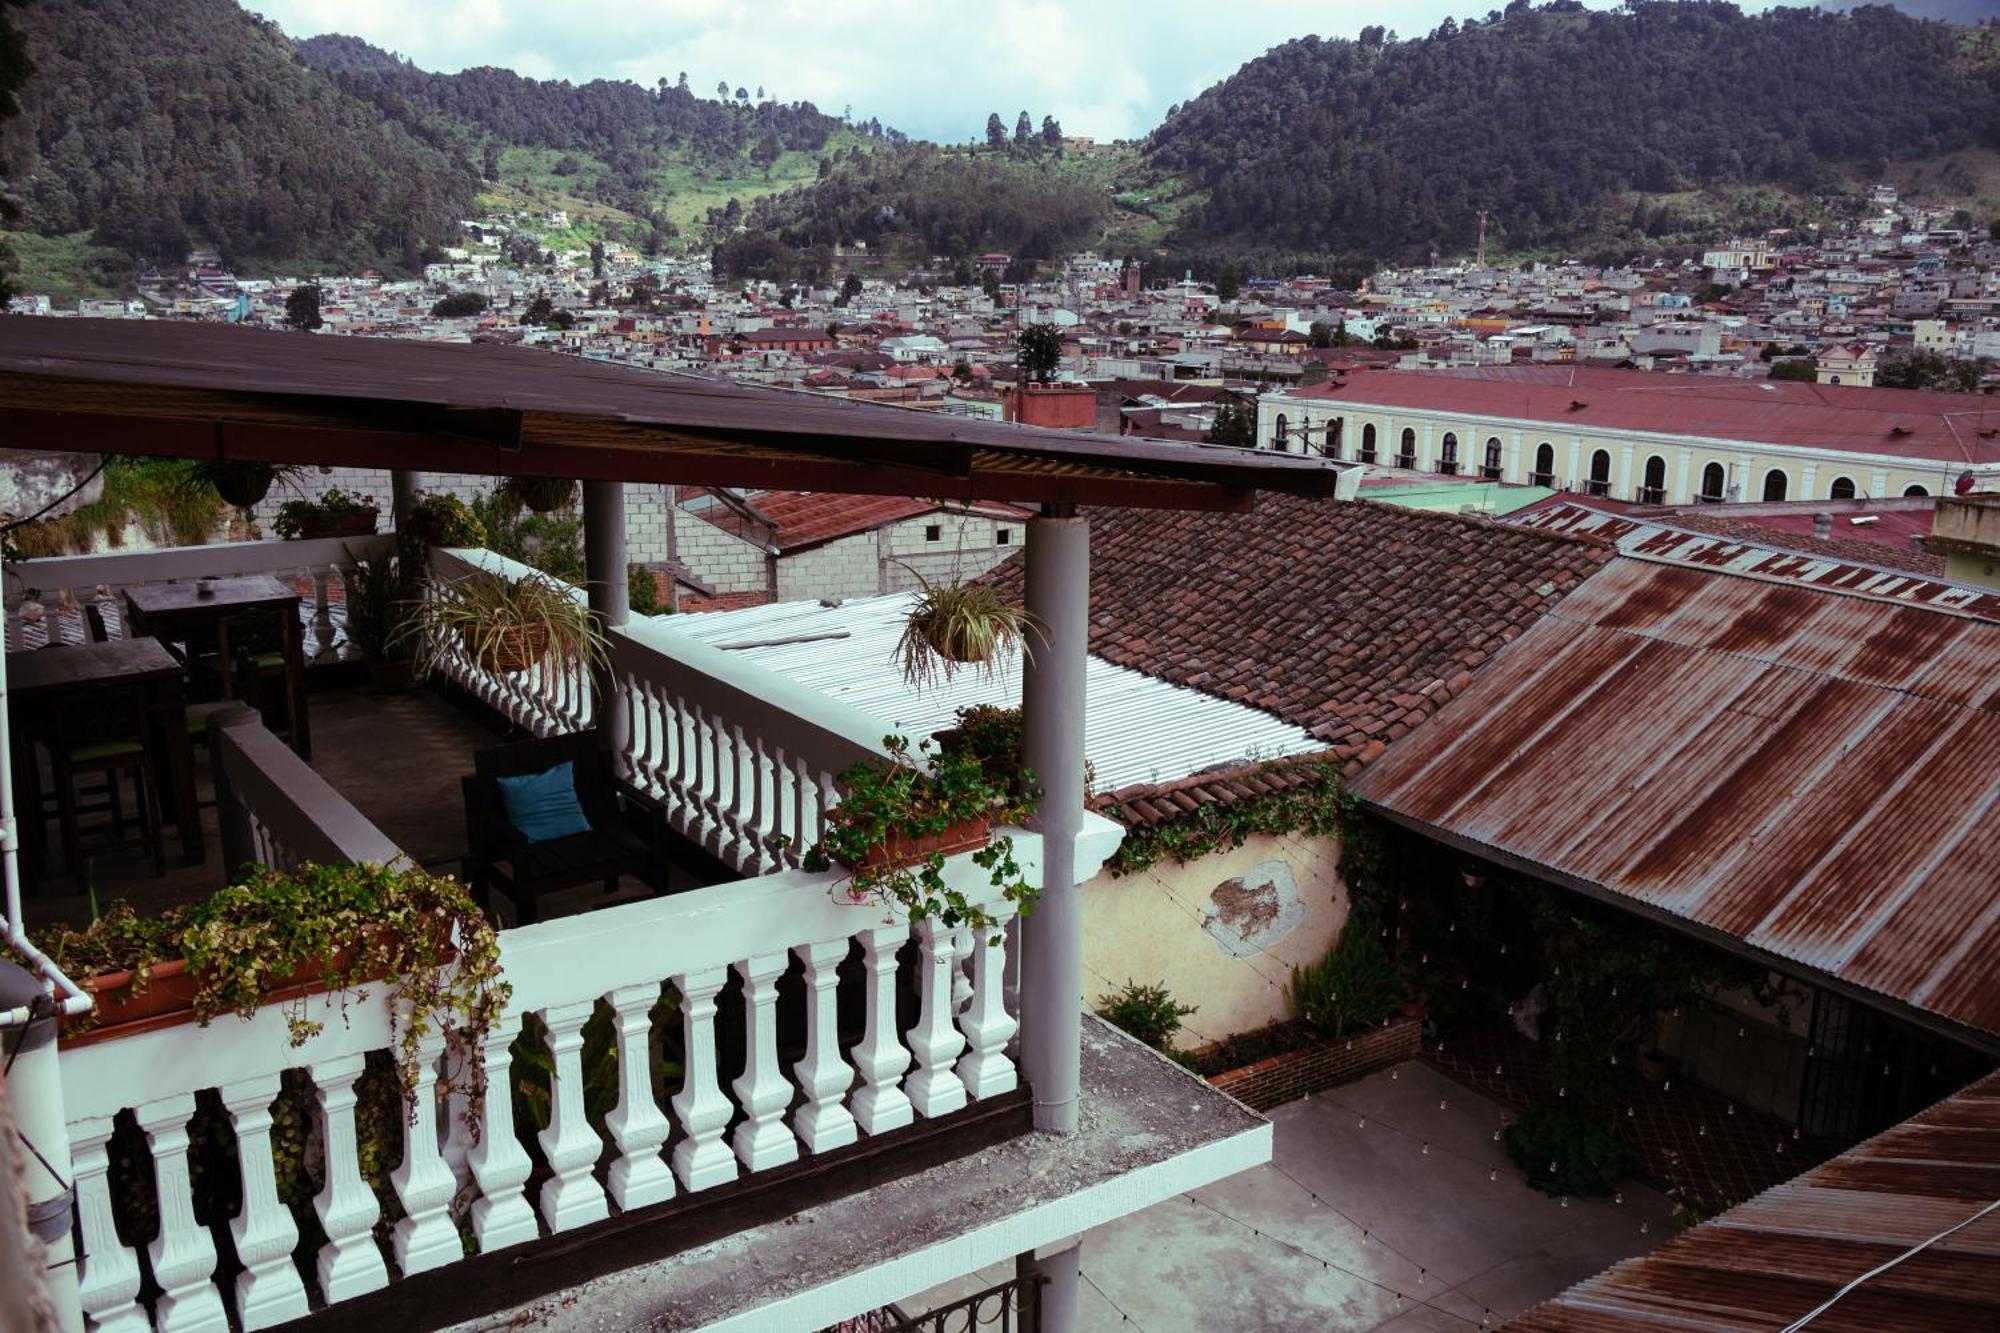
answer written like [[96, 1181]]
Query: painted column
[[1052, 699], [1061, 1272], [610, 598], [403, 488], [1680, 494]]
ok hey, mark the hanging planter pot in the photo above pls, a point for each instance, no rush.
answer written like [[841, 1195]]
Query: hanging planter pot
[[239, 484], [544, 495], [955, 625]]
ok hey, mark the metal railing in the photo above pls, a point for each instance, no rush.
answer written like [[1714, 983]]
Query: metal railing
[[1014, 1306]]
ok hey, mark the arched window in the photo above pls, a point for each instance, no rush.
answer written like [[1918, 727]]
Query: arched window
[[1334, 429], [1713, 479], [1600, 474], [1406, 453], [1915, 490], [1545, 465], [1448, 454], [1284, 435], [1653, 490], [1492, 469], [1774, 485], [1368, 443], [1842, 489]]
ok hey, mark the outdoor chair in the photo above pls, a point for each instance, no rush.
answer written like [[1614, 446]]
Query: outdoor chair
[[107, 738], [600, 854]]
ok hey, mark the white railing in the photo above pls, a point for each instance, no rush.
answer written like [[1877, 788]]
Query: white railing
[[742, 759], [273, 809], [620, 962]]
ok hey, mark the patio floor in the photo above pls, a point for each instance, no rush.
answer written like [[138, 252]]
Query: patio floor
[[1387, 1205]]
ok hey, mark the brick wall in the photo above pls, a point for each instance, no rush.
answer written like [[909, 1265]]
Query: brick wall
[[1288, 1077]]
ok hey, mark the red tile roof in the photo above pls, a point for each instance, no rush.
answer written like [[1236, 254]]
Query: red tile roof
[[813, 518], [1948, 428]]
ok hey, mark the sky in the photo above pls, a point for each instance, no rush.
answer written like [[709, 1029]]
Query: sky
[[931, 68]]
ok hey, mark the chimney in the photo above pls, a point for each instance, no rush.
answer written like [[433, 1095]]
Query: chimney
[[1917, 543], [1822, 524]]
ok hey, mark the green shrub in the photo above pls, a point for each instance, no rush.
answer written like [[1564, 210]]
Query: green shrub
[[1149, 1013], [1350, 990], [552, 543], [642, 590], [1562, 1149]]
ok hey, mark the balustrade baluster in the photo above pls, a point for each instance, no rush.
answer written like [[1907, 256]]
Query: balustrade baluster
[[108, 1278], [697, 824], [268, 1290], [961, 968], [500, 1216], [823, 1124], [984, 1069], [349, 1264], [702, 1158], [638, 741], [682, 810], [426, 1237], [828, 795], [805, 814], [182, 1255], [931, 1086], [755, 857], [879, 1105], [781, 839], [762, 1141], [639, 1176], [722, 771], [572, 1196]]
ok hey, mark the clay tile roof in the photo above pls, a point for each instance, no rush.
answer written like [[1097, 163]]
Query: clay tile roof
[[813, 518], [1355, 621]]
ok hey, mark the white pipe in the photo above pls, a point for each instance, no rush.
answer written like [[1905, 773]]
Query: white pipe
[[74, 1001]]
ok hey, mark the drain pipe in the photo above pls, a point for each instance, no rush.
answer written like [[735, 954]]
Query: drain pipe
[[71, 998]]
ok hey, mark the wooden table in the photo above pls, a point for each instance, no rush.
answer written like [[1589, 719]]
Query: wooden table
[[40, 679], [181, 613]]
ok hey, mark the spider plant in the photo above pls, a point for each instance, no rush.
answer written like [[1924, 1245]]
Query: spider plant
[[504, 627], [953, 625], [238, 483]]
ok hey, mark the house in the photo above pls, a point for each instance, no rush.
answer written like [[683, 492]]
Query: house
[[1850, 364]]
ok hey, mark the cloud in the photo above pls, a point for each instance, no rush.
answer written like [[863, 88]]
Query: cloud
[[934, 69]]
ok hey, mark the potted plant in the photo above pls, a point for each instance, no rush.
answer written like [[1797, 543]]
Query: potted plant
[[277, 936], [335, 514], [443, 520], [544, 495], [895, 825], [376, 605], [504, 627], [951, 625], [238, 483]]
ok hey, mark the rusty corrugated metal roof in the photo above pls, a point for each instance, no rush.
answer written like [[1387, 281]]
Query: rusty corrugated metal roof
[[1816, 774], [1768, 1262]]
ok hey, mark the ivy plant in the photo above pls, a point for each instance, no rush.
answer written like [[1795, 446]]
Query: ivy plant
[[1314, 807]]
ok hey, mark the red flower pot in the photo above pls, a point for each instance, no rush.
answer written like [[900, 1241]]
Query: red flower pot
[[899, 849]]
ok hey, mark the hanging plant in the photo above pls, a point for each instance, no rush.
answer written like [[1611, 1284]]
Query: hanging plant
[[238, 483], [544, 495], [955, 625], [895, 825], [442, 520], [336, 513], [504, 626]]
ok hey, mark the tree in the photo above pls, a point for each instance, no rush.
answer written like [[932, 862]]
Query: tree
[[1234, 424], [742, 94], [961, 371], [1038, 351], [597, 259], [682, 82], [1024, 131], [1800, 369], [1930, 370], [850, 287], [539, 310], [1051, 132], [302, 307], [996, 132], [1320, 334], [489, 161], [760, 92], [1227, 283], [562, 319], [722, 90], [767, 152], [459, 305], [989, 282]]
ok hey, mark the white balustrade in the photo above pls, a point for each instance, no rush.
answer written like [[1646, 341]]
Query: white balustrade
[[109, 1282], [426, 1237], [931, 1086], [268, 1290], [823, 1122], [762, 1141], [571, 1197], [701, 1159], [984, 1068], [349, 1264], [500, 1215], [182, 1256], [879, 1104], [639, 1175]]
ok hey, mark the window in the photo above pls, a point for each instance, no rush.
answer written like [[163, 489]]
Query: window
[[1284, 432], [1914, 490], [1842, 489], [1600, 474], [1653, 490], [1334, 429], [1406, 453], [1448, 454], [933, 532], [1545, 465], [1368, 444], [1713, 479], [1492, 468], [1003, 536], [1774, 485]]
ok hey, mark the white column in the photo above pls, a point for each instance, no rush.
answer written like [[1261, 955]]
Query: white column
[[762, 1141], [1575, 478], [110, 1277], [500, 1215], [701, 1159], [1808, 477], [182, 1255], [879, 1104], [1516, 469], [984, 1069], [571, 1196], [931, 1086], [823, 1123], [639, 1174], [1622, 486], [426, 1237], [268, 1290], [349, 1263], [1680, 493]]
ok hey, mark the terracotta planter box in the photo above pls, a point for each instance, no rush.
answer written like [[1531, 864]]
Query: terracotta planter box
[[1322, 1065], [357, 523], [968, 835]]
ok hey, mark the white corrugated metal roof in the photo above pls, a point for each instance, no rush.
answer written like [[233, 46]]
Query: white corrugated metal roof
[[1139, 729]]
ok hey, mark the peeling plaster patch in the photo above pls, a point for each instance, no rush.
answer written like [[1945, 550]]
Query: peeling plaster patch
[[1255, 910]]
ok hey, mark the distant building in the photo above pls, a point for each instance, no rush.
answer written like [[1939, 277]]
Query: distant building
[[1852, 364]]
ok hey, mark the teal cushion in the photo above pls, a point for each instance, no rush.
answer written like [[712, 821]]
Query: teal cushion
[[543, 806]]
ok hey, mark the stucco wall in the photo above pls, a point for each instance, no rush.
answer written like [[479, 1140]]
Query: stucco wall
[[1222, 933]]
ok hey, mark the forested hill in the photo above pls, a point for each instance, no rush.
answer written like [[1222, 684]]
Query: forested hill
[[162, 124], [1566, 126]]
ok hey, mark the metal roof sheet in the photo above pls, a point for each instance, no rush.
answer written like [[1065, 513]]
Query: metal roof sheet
[[1817, 775], [1768, 1262], [1138, 729]]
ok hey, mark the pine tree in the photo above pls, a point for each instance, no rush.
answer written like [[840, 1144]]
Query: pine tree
[[1024, 131], [996, 131]]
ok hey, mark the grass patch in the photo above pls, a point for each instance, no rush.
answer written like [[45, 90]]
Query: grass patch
[[65, 268]]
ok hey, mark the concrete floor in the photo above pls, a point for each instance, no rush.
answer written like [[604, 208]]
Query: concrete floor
[[1398, 1239]]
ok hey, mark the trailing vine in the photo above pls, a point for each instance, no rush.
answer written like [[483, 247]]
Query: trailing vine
[[1315, 807]]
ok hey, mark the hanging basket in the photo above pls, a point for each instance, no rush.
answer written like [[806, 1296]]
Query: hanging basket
[[243, 485], [544, 495], [515, 648]]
